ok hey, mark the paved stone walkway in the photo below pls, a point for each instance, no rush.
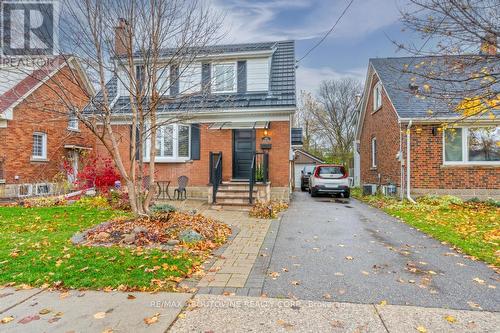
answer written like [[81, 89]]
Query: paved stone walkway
[[236, 269]]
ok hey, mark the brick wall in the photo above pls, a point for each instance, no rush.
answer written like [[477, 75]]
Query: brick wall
[[215, 141], [428, 171], [383, 125], [42, 111]]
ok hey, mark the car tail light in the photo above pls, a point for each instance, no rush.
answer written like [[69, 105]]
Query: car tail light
[[345, 174], [316, 173]]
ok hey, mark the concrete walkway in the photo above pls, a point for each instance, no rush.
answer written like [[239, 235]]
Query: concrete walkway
[[210, 313], [38, 310]]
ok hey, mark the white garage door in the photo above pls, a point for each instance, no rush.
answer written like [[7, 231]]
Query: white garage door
[[298, 168]]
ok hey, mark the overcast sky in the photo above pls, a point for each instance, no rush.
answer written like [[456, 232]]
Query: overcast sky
[[363, 32]]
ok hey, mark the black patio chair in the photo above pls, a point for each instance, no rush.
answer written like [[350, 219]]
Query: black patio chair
[[182, 181]]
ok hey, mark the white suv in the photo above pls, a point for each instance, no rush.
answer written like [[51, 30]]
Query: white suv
[[329, 179]]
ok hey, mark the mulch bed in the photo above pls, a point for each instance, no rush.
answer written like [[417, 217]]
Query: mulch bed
[[160, 230]]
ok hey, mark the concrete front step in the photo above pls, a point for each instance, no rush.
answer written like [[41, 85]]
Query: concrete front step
[[231, 206], [233, 200]]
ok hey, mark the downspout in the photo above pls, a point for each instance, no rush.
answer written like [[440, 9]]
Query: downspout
[[408, 162]]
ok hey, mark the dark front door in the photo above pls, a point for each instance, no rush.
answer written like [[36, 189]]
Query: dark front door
[[243, 151]]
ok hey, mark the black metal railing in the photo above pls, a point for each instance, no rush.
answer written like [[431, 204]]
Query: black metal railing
[[215, 173], [259, 172]]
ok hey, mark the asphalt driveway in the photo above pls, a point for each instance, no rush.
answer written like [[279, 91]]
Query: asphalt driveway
[[350, 252]]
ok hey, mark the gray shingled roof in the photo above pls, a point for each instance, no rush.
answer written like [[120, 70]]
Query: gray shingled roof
[[396, 75], [281, 93]]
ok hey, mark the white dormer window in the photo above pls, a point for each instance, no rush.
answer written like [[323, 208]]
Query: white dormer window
[[162, 80], [224, 77], [377, 96]]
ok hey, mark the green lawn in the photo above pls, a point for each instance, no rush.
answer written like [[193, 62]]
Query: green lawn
[[35, 249], [473, 227]]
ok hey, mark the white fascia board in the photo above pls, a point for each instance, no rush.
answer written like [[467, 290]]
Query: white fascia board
[[438, 120]]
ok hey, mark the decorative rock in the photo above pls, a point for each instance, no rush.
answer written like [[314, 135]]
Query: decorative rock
[[102, 236], [173, 242], [78, 238], [138, 230], [190, 236], [129, 238]]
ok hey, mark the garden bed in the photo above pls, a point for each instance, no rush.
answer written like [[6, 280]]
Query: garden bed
[[165, 231]]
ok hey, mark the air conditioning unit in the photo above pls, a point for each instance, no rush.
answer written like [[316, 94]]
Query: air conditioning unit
[[389, 190], [369, 189]]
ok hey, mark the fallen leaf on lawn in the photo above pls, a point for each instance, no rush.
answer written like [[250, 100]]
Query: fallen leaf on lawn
[[84, 269], [131, 297], [274, 275], [365, 273], [28, 319], [491, 286], [474, 305], [6, 320], [153, 319], [349, 258], [44, 311], [450, 319], [327, 296], [181, 315], [478, 280], [421, 329], [338, 274], [64, 295], [295, 283], [432, 272], [286, 325], [411, 281], [383, 303], [100, 315], [284, 269]]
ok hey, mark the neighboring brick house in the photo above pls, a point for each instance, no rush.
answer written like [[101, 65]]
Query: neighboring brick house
[[240, 100], [462, 160], [37, 129]]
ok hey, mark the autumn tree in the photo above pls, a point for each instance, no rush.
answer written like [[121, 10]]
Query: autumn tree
[[464, 34], [335, 113]]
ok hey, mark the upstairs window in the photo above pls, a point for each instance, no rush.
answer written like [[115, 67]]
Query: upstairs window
[[73, 122], [374, 152], [474, 145], [224, 77], [162, 80], [377, 96], [39, 146]]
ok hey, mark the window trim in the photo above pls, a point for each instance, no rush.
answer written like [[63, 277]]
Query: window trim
[[175, 147], [42, 157], [465, 149], [212, 70], [373, 152], [377, 92]]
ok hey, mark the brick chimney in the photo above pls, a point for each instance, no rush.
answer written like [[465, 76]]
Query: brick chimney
[[121, 37], [489, 44]]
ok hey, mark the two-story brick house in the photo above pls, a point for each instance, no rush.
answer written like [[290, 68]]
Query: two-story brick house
[[425, 145], [241, 99], [38, 130]]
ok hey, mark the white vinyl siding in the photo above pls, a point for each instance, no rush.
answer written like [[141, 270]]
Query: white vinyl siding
[[39, 151], [258, 74], [190, 78]]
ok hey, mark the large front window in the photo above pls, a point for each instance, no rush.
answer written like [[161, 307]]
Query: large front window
[[224, 77], [475, 145], [172, 143]]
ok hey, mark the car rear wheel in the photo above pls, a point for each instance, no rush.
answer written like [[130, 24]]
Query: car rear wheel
[[313, 193], [303, 189]]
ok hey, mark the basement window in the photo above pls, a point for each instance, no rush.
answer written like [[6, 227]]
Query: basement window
[[472, 145]]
